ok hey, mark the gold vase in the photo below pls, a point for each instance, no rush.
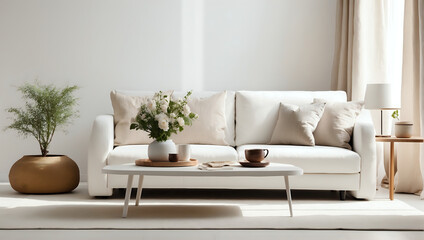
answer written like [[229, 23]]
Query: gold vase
[[50, 174]]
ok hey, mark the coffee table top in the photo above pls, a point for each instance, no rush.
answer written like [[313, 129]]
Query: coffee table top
[[273, 169]]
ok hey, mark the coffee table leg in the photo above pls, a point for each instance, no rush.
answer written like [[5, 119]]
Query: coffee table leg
[[127, 195], [139, 189], [286, 181]]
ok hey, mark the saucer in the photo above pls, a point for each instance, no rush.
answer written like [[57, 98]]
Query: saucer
[[246, 163]]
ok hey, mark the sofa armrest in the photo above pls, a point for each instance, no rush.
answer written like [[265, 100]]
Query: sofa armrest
[[364, 144], [101, 143]]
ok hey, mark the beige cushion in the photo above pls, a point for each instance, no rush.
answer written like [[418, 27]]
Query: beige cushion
[[125, 108], [336, 124], [210, 127], [229, 107], [296, 124]]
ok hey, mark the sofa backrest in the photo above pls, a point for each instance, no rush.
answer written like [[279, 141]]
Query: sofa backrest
[[257, 111], [229, 108], [251, 115]]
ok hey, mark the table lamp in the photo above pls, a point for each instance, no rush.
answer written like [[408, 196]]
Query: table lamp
[[380, 96]]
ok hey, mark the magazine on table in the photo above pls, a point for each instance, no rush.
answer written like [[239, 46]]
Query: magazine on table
[[217, 165]]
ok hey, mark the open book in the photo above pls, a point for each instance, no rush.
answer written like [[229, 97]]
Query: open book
[[215, 165]]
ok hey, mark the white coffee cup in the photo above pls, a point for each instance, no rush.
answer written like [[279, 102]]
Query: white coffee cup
[[184, 152]]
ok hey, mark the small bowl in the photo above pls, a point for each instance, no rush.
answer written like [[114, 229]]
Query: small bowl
[[403, 129], [173, 157]]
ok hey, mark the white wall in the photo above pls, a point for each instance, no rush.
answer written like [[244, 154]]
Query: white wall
[[268, 45], [102, 45]]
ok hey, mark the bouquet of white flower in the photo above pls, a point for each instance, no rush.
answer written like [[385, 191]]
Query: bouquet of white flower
[[161, 116]]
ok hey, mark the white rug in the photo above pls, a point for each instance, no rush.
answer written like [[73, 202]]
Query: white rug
[[78, 211]]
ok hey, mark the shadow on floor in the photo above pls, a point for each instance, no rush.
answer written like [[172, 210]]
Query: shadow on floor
[[231, 194]]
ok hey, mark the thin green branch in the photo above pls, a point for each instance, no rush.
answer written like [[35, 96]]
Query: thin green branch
[[46, 108]]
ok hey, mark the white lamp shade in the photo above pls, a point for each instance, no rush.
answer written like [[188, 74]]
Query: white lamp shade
[[380, 96]]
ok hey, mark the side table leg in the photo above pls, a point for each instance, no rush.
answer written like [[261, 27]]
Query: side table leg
[[127, 195], [139, 189], [392, 170], [286, 181]]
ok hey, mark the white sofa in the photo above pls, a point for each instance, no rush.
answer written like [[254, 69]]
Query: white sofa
[[251, 117]]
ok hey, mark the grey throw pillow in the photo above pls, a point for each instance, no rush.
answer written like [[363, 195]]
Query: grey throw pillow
[[296, 124], [336, 124]]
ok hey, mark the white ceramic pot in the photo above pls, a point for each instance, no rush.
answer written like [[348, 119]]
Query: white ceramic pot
[[159, 151], [403, 129], [184, 152]]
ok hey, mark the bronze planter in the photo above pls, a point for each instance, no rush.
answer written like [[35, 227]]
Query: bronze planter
[[50, 174]]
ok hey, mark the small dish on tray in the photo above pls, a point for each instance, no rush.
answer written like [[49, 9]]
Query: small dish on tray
[[246, 163]]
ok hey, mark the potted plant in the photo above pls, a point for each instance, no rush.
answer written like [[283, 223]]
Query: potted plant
[[161, 116], [47, 109]]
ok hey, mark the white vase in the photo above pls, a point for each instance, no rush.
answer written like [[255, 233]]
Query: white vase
[[159, 151]]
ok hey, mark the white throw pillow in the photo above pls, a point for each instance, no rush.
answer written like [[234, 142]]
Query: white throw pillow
[[125, 108], [210, 127], [296, 124], [337, 122]]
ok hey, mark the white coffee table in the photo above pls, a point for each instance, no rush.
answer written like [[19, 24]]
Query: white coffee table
[[273, 169]]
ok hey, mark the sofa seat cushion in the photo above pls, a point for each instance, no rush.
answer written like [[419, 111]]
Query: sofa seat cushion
[[203, 153], [312, 159]]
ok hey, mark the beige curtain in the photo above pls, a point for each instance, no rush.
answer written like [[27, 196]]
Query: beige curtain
[[341, 77], [362, 56], [410, 161], [360, 51]]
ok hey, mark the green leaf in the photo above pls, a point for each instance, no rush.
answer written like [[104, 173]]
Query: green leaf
[[46, 109], [395, 114]]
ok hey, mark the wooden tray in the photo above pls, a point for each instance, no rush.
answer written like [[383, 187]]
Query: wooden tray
[[148, 163]]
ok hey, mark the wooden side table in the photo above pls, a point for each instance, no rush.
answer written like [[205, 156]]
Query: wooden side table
[[392, 141]]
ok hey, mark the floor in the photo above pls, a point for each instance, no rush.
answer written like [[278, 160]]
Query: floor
[[210, 234], [412, 200]]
